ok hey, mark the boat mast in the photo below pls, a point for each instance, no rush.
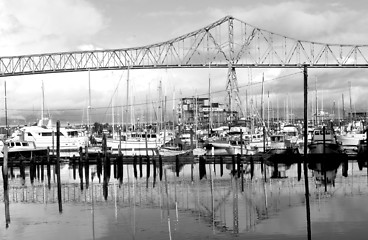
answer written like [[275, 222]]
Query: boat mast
[[315, 90], [6, 111], [174, 117], [209, 103], [113, 117], [262, 100], [343, 108], [43, 101], [89, 105], [351, 109], [127, 102], [268, 109]]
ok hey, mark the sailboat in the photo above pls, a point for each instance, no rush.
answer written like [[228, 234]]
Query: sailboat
[[135, 142]]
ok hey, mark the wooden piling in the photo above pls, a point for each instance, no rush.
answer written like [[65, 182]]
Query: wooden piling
[[99, 167], [5, 167], [49, 168], [238, 164], [233, 167], [221, 166], [145, 139], [305, 125], [148, 170], [202, 167], [37, 168], [115, 168], [7, 208], [214, 165], [120, 168], [177, 165], [140, 167], [251, 167], [160, 166], [86, 167], [22, 171], [300, 170], [58, 165], [42, 168], [135, 166], [31, 169], [80, 168], [154, 171]]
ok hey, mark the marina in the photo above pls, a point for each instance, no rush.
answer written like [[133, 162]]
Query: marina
[[139, 201], [161, 120]]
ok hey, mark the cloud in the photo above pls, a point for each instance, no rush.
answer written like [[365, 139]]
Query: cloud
[[310, 20], [42, 25]]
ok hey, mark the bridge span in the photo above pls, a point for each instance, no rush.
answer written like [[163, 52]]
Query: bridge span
[[226, 43]]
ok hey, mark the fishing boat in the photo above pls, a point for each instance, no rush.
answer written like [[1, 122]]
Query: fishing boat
[[248, 144], [281, 154], [324, 146]]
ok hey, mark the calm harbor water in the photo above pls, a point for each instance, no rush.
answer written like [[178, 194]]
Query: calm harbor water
[[185, 206]]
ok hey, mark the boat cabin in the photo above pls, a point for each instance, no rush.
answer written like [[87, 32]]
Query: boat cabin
[[318, 136], [21, 144]]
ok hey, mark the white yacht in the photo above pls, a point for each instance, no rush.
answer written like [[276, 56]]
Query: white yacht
[[70, 139], [134, 143]]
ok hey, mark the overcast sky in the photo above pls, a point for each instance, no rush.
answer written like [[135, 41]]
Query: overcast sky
[[42, 26]]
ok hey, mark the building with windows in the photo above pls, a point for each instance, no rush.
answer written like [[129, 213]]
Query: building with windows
[[198, 110]]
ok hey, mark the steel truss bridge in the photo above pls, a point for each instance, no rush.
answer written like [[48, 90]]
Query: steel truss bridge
[[227, 43]]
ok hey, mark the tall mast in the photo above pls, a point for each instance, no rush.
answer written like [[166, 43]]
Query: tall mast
[[6, 111], [160, 107], [262, 100], [209, 103], [89, 104], [315, 89], [43, 101], [351, 108], [343, 108], [113, 117], [127, 101], [268, 109], [174, 118]]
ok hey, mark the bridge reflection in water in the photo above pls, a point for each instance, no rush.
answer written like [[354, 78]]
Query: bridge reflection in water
[[233, 203]]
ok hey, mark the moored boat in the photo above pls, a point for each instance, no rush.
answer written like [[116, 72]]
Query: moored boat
[[134, 143], [325, 146], [70, 139], [22, 149]]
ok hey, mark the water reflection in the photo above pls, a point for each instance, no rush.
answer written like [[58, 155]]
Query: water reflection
[[235, 200]]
